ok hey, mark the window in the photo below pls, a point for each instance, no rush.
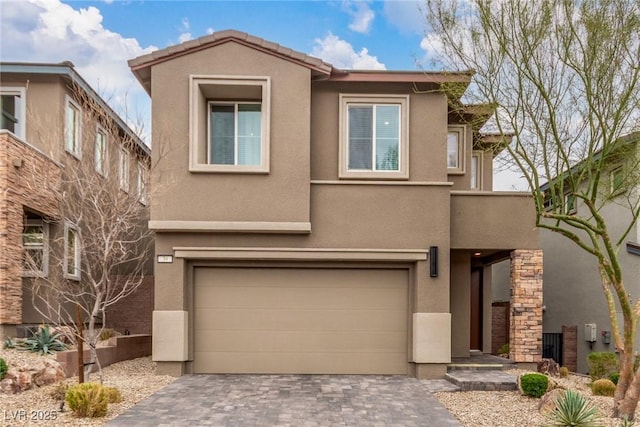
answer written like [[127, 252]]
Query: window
[[72, 252], [455, 149], [12, 100], [569, 203], [35, 249], [123, 169], [73, 125], [476, 170], [374, 137], [229, 121], [142, 183], [100, 153], [617, 181]]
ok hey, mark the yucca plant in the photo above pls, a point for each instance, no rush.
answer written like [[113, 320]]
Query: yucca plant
[[573, 409], [44, 342]]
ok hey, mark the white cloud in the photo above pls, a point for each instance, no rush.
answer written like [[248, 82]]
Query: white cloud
[[362, 16], [186, 33], [341, 54], [406, 15], [51, 31]]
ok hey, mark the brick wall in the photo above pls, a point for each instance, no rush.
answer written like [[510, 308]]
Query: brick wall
[[134, 312], [26, 179], [525, 343], [570, 347]]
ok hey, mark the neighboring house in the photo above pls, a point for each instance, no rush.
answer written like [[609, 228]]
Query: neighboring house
[[573, 295], [53, 124], [317, 220]]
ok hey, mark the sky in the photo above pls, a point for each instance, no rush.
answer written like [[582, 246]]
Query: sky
[[100, 36]]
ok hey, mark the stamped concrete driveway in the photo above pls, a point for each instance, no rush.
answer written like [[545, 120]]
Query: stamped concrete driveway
[[292, 400]]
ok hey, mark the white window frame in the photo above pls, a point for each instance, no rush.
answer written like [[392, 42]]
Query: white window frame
[[460, 132], [479, 155], [569, 202], [612, 180], [75, 263], [101, 166], [123, 169], [45, 249], [219, 89], [21, 113], [76, 132], [142, 183], [403, 153]]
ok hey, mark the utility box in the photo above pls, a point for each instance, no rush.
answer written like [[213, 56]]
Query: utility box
[[590, 332]]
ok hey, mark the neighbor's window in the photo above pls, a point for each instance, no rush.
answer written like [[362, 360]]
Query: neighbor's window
[[12, 100], [123, 169], [100, 154], [455, 149], [373, 140], [569, 203], [142, 183], [73, 125], [229, 124], [72, 252], [617, 181], [35, 250], [476, 170]]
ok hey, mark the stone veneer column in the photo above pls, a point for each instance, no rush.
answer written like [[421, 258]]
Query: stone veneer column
[[525, 336]]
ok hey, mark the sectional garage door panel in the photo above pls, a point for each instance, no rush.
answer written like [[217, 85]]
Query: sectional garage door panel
[[282, 320]]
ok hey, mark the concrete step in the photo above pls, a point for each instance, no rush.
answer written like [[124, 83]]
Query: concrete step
[[475, 367], [482, 380]]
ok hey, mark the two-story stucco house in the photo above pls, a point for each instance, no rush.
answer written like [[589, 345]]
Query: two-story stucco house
[[317, 220], [54, 126]]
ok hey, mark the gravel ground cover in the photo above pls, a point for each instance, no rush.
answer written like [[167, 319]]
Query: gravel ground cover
[[136, 379]]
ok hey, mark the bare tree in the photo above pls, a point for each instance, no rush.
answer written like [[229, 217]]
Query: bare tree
[[101, 249], [564, 77]]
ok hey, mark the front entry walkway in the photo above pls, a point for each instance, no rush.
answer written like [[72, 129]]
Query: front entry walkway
[[292, 400]]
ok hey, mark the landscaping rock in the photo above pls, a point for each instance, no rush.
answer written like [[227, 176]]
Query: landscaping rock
[[549, 399], [41, 372], [549, 367]]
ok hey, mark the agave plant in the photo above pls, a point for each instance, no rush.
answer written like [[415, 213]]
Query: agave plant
[[44, 342], [573, 409]]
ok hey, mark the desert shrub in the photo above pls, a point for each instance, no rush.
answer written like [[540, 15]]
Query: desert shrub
[[573, 409], [9, 343], [504, 349], [107, 333], [615, 377], [603, 387], [534, 384], [113, 394], [563, 371], [87, 400], [3, 368], [602, 364], [43, 341], [59, 391]]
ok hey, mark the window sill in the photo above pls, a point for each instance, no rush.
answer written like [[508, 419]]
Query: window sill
[[206, 168], [378, 176]]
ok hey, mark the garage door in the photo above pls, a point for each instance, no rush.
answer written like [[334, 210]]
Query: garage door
[[285, 320]]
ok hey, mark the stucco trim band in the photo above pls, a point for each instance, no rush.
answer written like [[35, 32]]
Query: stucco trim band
[[431, 338], [231, 227], [302, 254], [377, 182]]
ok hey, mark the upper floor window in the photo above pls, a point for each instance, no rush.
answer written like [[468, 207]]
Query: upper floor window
[[229, 124], [12, 100], [100, 153], [35, 249], [123, 169], [73, 125], [374, 136], [72, 252], [617, 180], [455, 149], [142, 183], [476, 170]]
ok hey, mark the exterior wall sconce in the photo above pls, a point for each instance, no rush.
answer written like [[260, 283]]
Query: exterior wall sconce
[[433, 261]]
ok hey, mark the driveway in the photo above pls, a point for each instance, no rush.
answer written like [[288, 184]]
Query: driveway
[[292, 400]]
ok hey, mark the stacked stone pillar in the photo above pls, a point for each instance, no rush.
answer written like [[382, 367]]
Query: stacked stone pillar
[[525, 337]]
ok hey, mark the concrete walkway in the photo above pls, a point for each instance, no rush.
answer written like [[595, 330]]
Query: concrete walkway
[[293, 400]]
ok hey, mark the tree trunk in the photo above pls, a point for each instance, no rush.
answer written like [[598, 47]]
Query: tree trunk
[[626, 408]]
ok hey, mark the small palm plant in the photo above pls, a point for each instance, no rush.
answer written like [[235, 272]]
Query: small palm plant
[[573, 409], [44, 342]]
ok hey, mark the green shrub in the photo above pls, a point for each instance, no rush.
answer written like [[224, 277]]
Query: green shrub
[[534, 384], [43, 342], [504, 349], [87, 400], [113, 394], [563, 371], [602, 364], [572, 409], [3, 368], [107, 333], [615, 377], [9, 343], [603, 387]]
